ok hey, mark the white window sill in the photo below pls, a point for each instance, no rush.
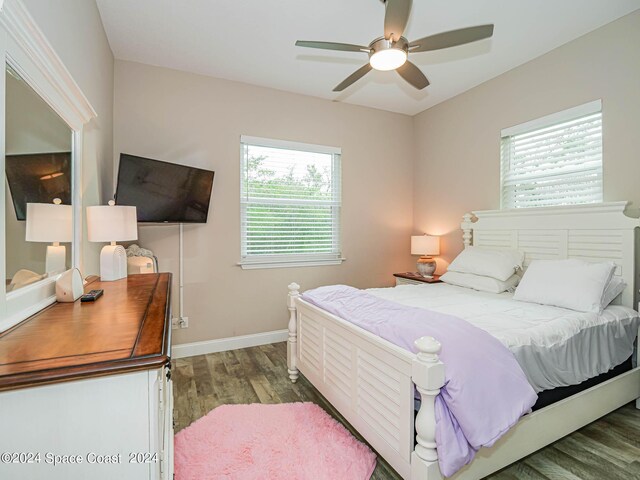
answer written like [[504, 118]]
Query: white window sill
[[254, 265]]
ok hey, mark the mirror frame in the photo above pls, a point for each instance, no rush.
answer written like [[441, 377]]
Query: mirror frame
[[24, 47]]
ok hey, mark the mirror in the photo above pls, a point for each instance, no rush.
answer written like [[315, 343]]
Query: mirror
[[38, 170]]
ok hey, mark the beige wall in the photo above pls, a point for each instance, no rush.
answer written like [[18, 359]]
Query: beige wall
[[197, 120], [457, 142], [74, 29]]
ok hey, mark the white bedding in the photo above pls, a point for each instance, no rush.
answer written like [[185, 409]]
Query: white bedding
[[554, 346]]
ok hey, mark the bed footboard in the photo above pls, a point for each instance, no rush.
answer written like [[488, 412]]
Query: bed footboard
[[372, 383]]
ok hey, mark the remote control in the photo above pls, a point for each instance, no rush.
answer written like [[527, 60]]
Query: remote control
[[92, 296]]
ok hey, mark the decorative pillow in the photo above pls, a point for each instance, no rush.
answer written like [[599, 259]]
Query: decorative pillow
[[480, 282], [573, 284], [615, 287], [489, 263]]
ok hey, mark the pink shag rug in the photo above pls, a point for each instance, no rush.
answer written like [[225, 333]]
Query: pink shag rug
[[289, 441]]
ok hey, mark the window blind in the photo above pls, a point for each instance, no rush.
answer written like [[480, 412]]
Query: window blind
[[554, 162], [290, 203]]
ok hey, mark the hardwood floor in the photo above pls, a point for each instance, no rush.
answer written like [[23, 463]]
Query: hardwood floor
[[608, 449]]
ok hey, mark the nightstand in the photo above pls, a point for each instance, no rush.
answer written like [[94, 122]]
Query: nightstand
[[410, 278]]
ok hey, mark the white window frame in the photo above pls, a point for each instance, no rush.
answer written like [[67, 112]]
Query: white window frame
[[570, 114], [291, 260]]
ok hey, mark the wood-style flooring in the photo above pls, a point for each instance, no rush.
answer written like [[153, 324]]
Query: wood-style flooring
[[607, 449]]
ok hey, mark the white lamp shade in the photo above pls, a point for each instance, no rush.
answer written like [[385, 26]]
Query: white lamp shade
[[111, 223], [425, 245], [48, 222]]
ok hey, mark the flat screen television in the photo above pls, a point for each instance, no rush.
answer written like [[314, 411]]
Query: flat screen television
[[38, 178], [164, 192]]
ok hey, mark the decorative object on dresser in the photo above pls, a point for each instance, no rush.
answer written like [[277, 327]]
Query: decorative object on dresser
[[426, 246], [412, 278], [69, 286], [140, 260], [51, 222], [77, 380], [112, 223]]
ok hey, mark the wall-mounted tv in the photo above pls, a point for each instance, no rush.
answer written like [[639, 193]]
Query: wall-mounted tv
[[38, 178], [164, 192]]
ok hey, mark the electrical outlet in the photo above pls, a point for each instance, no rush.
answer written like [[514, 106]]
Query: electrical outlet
[[178, 322]]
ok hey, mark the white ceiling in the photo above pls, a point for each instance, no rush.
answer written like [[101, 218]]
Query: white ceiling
[[252, 41]]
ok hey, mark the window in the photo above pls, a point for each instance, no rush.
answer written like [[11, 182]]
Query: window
[[290, 204], [555, 160]]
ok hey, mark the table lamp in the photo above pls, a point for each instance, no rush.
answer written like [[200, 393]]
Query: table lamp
[[426, 246], [51, 222], [112, 223]]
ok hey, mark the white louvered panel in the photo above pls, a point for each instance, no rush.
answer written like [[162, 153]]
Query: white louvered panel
[[598, 246], [377, 385], [378, 392], [493, 239], [337, 370], [312, 343], [310, 338], [335, 376], [598, 255], [340, 345], [387, 407], [379, 424], [368, 364], [540, 245], [376, 419]]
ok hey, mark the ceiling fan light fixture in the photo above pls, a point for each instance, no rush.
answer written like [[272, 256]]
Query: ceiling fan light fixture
[[390, 52], [388, 59]]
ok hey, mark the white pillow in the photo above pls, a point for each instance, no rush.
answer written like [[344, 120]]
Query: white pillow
[[489, 263], [615, 287], [573, 284], [479, 282]]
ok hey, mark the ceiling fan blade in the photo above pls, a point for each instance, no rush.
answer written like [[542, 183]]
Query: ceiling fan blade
[[396, 17], [345, 47], [413, 75], [354, 77], [451, 38]]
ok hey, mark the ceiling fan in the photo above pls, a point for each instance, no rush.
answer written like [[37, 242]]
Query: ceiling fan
[[391, 51]]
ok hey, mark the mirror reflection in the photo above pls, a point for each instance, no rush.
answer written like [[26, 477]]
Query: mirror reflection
[[38, 208]]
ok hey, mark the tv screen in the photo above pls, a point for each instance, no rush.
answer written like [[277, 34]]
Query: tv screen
[[38, 178], [164, 192]]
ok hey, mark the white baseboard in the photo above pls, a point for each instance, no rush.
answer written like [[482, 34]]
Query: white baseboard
[[231, 343]]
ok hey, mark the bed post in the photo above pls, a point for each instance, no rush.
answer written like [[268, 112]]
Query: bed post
[[427, 372], [467, 229], [292, 342]]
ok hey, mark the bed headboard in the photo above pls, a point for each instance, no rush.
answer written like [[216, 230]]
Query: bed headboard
[[597, 232]]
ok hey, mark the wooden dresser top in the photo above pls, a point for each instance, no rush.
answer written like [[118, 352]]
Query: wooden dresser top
[[128, 328]]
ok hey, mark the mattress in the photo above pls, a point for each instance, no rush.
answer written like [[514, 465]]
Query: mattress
[[554, 346]]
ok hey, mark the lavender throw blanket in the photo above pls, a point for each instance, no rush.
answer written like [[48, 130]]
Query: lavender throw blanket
[[485, 390]]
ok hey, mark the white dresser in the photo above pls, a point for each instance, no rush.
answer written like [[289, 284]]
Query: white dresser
[[86, 390]]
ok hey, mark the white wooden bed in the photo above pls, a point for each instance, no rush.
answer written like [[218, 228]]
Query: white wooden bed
[[371, 381]]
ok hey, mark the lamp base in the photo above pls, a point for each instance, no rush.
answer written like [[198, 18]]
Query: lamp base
[[113, 263], [56, 260], [426, 266]]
